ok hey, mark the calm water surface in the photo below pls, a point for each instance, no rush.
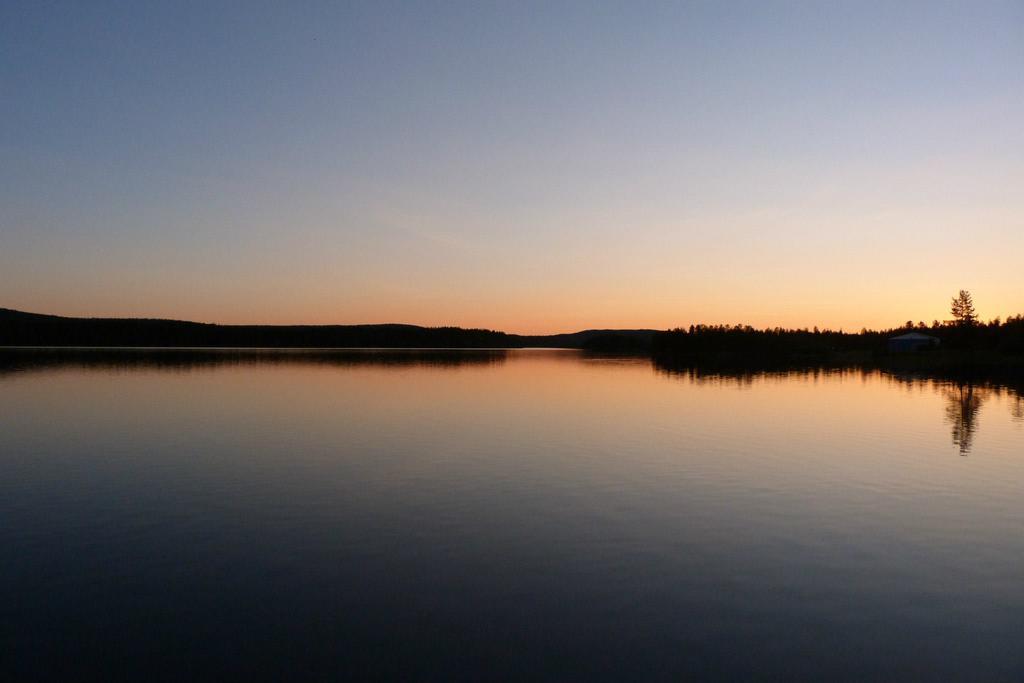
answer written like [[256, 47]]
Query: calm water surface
[[503, 515]]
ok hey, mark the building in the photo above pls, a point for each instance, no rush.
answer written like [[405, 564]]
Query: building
[[913, 341]]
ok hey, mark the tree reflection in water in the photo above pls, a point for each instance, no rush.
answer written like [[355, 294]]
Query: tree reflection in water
[[963, 397], [963, 401], [1017, 408]]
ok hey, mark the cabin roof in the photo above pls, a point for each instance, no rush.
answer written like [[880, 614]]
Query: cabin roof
[[914, 336]]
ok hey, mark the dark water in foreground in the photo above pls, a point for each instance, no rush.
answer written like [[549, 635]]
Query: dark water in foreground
[[521, 515]]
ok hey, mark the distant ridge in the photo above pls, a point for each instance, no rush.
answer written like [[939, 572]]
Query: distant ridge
[[18, 328]]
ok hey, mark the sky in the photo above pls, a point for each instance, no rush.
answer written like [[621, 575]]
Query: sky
[[530, 167]]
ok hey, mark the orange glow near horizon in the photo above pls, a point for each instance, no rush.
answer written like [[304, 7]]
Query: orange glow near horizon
[[553, 316], [568, 272]]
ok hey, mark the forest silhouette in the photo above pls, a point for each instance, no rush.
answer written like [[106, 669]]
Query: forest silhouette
[[963, 340]]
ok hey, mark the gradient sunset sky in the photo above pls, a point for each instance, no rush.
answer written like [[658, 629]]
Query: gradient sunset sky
[[532, 167]]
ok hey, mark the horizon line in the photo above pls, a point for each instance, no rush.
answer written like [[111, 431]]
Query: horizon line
[[841, 330]]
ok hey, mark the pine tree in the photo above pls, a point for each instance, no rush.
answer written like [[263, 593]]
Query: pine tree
[[963, 309]]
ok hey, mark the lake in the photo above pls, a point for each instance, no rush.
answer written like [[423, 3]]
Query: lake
[[502, 515]]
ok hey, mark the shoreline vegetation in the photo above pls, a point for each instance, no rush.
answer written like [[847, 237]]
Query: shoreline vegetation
[[995, 346], [964, 346]]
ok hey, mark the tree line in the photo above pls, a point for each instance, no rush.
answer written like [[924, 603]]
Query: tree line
[[963, 332]]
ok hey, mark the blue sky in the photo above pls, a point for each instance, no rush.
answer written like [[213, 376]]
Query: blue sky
[[529, 166]]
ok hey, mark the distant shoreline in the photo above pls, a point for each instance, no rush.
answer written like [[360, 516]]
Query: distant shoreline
[[19, 328]]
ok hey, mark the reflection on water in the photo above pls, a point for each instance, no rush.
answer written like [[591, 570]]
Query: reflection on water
[[38, 359], [1017, 407], [963, 399], [526, 515], [963, 403]]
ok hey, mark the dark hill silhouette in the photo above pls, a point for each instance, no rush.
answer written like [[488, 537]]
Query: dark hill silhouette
[[609, 341], [18, 328]]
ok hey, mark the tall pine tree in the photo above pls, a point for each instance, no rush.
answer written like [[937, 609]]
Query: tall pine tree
[[963, 309]]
